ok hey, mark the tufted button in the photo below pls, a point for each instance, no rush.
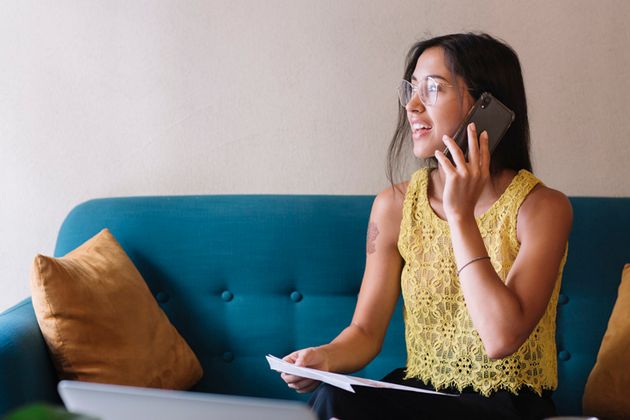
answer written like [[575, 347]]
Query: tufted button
[[564, 355], [227, 296], [228, 356], [563, 299], [162, 297], [296, 296]]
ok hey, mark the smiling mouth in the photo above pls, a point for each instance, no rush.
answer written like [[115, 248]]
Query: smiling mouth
[[420, 129]]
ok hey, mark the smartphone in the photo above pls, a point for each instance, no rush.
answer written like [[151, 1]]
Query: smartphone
[[488, 114]]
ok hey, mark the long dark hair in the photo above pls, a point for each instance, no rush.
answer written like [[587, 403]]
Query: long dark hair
[[485, 64]]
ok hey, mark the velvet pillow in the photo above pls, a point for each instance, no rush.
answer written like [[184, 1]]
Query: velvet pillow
[[101, 322], [606, 391]]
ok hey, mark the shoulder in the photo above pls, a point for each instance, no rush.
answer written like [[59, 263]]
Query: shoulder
[[545, 208], [390, 200], [548, 200], [387, 211]]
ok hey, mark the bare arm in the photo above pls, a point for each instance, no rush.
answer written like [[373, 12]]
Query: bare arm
[[504, 314], [361, 341]]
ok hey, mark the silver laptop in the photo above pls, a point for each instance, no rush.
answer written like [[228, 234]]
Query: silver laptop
[[116, 402]]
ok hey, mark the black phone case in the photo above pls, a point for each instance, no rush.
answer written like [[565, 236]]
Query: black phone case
[[488, 114]]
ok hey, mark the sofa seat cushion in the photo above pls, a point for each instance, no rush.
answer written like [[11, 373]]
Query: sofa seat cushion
[[101, 322]]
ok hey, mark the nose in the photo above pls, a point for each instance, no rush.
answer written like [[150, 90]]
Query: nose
[[415, 104]]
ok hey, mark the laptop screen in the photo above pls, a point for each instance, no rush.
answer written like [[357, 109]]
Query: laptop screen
[[117, 402]]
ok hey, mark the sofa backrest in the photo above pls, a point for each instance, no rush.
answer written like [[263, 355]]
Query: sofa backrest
[[243, 276], [599, 246]]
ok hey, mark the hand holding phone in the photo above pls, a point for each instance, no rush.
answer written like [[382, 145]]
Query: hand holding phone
[[488, 114]]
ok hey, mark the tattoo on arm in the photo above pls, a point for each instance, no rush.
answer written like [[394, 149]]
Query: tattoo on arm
[[372, 233]]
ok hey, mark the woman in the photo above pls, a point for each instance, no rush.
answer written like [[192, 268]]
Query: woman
[[476, 246]]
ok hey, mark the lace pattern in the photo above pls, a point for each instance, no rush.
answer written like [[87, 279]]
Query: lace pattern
[[443, 348]]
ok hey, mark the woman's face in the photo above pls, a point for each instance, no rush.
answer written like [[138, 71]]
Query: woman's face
[[429, 123]]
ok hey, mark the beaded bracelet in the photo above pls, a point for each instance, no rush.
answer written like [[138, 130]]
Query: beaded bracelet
[[472, 261]]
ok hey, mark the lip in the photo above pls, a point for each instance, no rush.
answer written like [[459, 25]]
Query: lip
[[419, 128]]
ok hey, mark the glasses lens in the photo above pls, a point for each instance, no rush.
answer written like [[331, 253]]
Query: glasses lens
[[429, 91], [405, 91]]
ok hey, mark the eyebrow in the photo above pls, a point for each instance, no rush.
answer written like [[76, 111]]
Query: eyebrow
[[435, 76]]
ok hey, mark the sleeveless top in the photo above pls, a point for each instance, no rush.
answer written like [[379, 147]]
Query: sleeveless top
[[443, 347]]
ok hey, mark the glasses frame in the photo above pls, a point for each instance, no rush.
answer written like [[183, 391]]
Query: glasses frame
[[415, 89]]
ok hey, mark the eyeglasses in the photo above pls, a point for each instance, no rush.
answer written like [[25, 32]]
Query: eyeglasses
[[427, 89]]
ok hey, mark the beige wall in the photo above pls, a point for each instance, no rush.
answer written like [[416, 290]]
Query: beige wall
[[109, 98]]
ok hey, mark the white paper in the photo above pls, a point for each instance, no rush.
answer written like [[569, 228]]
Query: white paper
[[339, 380]]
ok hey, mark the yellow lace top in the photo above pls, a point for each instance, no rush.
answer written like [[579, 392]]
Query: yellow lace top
[[443, 347]]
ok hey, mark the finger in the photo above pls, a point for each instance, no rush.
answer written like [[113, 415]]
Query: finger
[[302, 386], [307, 357], [445, 163], [302, 359], [311, 387], [291, 357], [485, 153], [290, 379], [456, 151], [473, 144], [304, 383]]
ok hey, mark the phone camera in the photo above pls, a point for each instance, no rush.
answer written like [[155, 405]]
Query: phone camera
[[485, 101]]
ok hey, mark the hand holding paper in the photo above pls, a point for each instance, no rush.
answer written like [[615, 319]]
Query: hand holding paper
[[340, 381]]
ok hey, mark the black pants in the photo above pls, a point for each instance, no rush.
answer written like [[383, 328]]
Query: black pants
[[376, 403]]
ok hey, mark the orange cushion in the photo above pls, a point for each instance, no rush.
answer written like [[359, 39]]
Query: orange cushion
[[101, 322], [606, 391]]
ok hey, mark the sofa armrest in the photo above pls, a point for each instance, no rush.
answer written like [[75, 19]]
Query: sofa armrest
[[26, 371]]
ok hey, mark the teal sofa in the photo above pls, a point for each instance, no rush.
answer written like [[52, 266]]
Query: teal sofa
[[241, 276]]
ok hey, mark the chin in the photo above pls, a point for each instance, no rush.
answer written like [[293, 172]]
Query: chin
[[423, 152]]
